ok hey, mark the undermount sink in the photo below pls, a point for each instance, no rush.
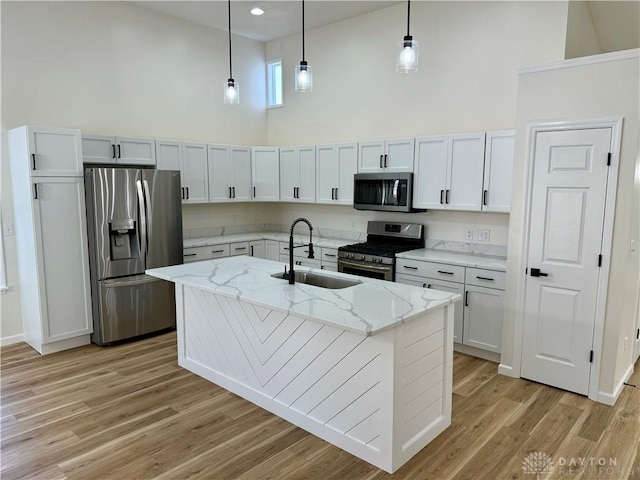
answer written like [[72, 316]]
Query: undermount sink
[[318, 280]]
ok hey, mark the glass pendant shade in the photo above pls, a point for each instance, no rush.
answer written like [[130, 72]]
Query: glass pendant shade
[[407, 55], [304, 77], [231, 92]]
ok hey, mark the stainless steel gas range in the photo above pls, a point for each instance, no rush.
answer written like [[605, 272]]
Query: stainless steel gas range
[[376, 258]]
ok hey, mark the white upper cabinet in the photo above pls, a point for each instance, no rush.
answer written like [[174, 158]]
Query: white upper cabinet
[[386, 156], [229, 173], [53, 151], [449, 171], [100, 149], [335, 168], [265, 174], [498, 168], [194, 173], [298, 174], [168, 155]]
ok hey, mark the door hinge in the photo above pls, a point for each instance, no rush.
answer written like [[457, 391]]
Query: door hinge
[[609, 159], [600, 260], [591, 357]]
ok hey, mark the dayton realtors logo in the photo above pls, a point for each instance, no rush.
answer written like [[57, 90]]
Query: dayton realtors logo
[[537, 463], [541, 465]]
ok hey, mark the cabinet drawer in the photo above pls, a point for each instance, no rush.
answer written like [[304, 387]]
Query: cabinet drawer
[[196, 254], [485, 278], [301, 261], [298, 251], [329, 256], [441, 271], [239, 248]]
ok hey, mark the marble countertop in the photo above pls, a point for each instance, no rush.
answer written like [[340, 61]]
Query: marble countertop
[[299, 239], [454, 258], [367, 309]]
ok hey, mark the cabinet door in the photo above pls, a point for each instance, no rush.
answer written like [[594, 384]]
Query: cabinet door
[[98, 149], [307, 174], [168, 155], [265, 174], [239, 248], [347, 168], [399, 155], [195, 173], [430, 177], [241, 173], [55, 152], [219, 174], [458, 308], [370, 157], [466, 167], [272, 250], [135, 151], [289, 174], [62, 250], [326, 173], [329, 258], [498, 167], [257, 249], [483, 313]]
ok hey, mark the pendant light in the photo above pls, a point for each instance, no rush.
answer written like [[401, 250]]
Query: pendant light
[[304, 72], [408, 54], [231, 88]]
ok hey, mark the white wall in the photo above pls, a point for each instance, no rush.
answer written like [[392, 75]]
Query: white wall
[[599, 90], [118, 68], [582, 38], [467, 80]]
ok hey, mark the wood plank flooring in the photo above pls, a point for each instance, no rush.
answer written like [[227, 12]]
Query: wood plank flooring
[[129, 412]]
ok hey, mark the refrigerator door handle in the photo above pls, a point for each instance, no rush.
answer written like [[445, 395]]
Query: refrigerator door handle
[[142, 228], [148, 214]]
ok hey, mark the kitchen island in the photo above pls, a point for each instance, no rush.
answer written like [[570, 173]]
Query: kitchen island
[[367, 368]]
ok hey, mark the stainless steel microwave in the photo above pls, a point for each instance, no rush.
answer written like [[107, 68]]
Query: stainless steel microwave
[[387, 192]]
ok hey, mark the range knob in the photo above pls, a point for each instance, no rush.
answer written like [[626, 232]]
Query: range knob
[[351, 255], [379, 259], [363, 257]]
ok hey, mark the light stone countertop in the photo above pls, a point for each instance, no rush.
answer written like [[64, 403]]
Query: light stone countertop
[[454, 258], [299, 239], [367, 309]]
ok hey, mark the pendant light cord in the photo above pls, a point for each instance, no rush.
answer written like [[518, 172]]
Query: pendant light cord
[[302, 30], [230, 66], [408, 15]]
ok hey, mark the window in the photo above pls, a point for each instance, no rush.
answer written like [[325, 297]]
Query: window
[[274, 83]]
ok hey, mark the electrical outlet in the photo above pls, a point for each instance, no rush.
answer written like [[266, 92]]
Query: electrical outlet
[[468, 234], [484, 235], [8, 230]]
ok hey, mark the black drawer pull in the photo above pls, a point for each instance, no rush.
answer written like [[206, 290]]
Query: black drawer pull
[[485, 278], [410, 268], [445, 273], [240, 248], [329, 255], [33, 156], [217, 251], [190, 254]]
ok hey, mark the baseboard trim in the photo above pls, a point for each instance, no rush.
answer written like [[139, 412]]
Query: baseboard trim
[[612, 398], [507, 371], [476, 352], [11, 340]]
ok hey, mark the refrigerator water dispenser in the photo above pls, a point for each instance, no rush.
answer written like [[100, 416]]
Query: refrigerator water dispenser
[[122, 233]]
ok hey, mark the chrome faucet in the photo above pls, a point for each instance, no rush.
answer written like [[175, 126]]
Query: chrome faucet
[[291, 274]]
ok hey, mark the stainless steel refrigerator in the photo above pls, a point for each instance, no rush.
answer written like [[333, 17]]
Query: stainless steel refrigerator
[[134, 222]]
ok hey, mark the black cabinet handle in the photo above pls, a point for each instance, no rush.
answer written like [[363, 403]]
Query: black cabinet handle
[[380, 161], [240, 248], [113, 147], [484, 197], [445, 273], [329, 255], [35, 191], [229, 192], [484, 278], [33, 157], [234, 192], [336, 193], [190, 254], [333, 194], [217, 251], [252, 250], [410, 268], [182, 192], [446, 197], [187, 193], [466, 298], [254, 192], [385, 161], [441, 197], [119, 152], [535, 272]]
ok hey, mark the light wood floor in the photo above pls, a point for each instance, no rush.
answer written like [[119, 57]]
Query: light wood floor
[[130, 412]]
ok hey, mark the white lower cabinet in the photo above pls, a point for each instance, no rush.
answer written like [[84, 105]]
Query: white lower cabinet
[[195, 254], [257, 249], [478, 319], [272, 248], [329, 259]]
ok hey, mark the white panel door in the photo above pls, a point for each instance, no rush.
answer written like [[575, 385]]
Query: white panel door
[[241, 173], [326, 173], [483, 312], [307, 174], [62, 257], [347, 168], [370, 157], [430, 177], [466, 166], [136, 151], [168, 155], [265, 174], [565, 237], [55, 152], [289, 173], [219, 174], [98, 149], [498, 169], [399, 155], [195, 173]]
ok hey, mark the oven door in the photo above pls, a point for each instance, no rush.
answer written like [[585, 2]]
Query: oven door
[[365, 269]]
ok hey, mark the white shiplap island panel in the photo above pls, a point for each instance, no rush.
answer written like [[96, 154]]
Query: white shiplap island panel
[[325, 360]]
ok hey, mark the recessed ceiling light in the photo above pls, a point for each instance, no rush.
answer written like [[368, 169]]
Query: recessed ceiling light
[[256, 11]]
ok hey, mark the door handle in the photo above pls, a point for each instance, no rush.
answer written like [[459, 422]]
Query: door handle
[[441, 197], [535, 272]]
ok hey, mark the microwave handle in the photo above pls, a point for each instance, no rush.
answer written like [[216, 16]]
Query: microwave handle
[[396, 197]]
